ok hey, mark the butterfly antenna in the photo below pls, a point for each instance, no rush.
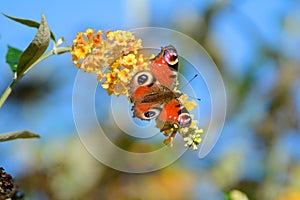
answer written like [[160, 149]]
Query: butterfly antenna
[[198, 99], [189, 81]]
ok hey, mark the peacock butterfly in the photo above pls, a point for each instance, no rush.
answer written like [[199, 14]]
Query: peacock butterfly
[[152, 91]]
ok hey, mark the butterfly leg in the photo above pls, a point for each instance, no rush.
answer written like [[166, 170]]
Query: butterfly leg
[[169, 140]]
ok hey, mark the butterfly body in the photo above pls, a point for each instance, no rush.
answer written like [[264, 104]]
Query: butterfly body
[[152, 91], [156, 93]]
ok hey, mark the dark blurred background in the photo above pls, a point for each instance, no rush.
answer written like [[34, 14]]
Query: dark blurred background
[[255, 45]]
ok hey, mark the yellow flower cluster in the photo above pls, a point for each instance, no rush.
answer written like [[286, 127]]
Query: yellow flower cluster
[[84, 44], [189, 105], [120, 72], [191, 135], [115, 59]]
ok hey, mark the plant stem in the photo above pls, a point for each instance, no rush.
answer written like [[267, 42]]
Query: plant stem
[[57, 51], [8, 90]]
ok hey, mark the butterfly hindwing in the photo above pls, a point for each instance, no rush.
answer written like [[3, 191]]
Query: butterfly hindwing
[[175, 112]]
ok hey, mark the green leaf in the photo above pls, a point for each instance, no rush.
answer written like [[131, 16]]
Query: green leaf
[[24, 134], [12, 57], [29, 23], [35, 49]]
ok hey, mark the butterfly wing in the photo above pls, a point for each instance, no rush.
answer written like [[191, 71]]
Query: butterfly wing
[[174, 112], [164, 66], [152, 93], [148, 96], [144, 107], [151, 102]]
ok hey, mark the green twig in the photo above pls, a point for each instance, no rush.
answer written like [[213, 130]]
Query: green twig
[[57, 51], [8, 90]]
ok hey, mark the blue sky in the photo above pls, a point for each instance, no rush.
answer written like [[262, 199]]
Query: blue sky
[[66, 18]]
